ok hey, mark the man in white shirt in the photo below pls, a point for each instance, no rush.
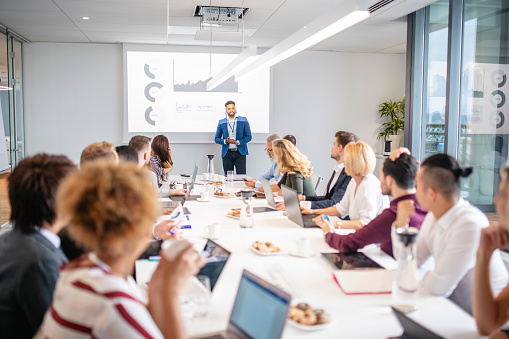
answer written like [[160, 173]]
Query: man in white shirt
[[450, 232]]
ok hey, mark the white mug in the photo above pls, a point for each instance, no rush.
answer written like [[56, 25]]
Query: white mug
[[179, 186], [214, 230], [305, 204], [172, 247], [205, 176], [204, 195], [216, 177], [302, 245]]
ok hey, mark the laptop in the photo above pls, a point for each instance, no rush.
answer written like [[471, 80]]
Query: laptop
[[216, 257], [292, 206], [411, 329], [259, 311], [188, 195], [269, 196]]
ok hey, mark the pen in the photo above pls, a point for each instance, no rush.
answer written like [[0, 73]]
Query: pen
[[154, 258]]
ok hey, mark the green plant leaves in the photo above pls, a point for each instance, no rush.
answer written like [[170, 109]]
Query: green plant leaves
[[395, 112]]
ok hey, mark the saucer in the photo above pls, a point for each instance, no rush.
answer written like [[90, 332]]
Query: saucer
[[201, 200], [206, 235], [309, 254]]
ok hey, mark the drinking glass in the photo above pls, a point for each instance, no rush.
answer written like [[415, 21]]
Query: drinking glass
[[196, 297], [229, 176]]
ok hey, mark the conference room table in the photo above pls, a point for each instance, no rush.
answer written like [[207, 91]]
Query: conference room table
[[308, 280]]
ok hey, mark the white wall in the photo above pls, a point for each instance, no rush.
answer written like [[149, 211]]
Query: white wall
[[74, 96]]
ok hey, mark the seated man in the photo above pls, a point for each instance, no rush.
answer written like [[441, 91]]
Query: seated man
[[273, 172], [397, 178], [127, 153], [450, 232], [141, 144], [30, 252]]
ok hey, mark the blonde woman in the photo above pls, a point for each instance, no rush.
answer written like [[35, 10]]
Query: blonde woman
[[110, 210], [363, 199], [492, 312], [294, 166]]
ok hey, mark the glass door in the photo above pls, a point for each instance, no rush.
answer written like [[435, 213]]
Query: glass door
[[17, 136]]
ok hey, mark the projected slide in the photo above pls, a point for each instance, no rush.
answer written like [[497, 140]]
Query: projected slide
[[167, 92]]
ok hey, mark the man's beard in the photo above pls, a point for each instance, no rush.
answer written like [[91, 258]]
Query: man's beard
[[272, 160]]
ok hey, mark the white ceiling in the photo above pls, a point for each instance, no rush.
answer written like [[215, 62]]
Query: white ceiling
[[145, 21]]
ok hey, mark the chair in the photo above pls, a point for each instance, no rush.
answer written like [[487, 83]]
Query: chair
[[316, 180]]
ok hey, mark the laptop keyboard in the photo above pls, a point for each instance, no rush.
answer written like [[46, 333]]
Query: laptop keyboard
[[308, 220]]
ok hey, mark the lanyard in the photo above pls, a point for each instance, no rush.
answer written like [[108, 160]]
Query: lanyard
[[232, 128]]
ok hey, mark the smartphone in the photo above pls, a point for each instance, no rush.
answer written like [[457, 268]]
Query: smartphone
[[326, 218]]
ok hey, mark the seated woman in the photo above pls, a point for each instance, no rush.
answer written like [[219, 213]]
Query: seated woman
[[363, 199], [111, 210], [295, 167], [29, 252], [160, 158], [492, 312]]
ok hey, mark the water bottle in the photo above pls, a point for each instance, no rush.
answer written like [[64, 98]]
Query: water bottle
[[405, 288], [246, 210], [210, 164]]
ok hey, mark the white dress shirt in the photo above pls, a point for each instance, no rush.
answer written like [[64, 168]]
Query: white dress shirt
[[337, 172], [366, 203], [52, 237], [452, 241]]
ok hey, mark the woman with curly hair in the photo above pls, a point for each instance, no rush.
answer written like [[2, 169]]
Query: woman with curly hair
[[295, 167], [110, 211], [160, 158]]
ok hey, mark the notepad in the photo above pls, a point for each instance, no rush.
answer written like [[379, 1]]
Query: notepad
[[377, 281]]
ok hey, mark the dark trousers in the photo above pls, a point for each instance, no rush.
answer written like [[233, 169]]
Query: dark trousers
[[234, 159]]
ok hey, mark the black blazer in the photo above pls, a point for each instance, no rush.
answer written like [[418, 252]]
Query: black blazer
[[333, 196], [28, 274]]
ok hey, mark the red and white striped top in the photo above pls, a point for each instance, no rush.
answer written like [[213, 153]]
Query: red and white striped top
[[92, 302]]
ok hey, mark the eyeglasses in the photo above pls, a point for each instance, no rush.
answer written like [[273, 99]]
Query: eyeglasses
[[270, 150]]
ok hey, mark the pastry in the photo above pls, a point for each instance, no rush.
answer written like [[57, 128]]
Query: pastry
[[304, 314]]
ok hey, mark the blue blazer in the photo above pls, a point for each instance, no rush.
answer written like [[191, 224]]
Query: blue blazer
[[335, 195], [242, 133]]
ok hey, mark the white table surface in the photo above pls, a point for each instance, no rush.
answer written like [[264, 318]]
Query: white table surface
[[359, 316]]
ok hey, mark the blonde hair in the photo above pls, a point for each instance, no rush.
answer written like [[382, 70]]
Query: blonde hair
[[359, 159], [98, 150], [109, 207], [289, 159]]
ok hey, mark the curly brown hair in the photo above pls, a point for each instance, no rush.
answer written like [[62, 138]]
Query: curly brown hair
[[109, 207]]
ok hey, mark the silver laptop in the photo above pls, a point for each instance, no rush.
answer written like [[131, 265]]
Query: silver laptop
[[188, 195], [269, 195], [292, 206], [259, 311]]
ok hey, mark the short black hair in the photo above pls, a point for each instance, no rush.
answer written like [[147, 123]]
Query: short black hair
[[402, 170], [127, 153], [32, 190], [443, 173], [291, 139], [229, 102]]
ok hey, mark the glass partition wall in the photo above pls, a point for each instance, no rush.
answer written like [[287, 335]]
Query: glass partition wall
[[460, 106]]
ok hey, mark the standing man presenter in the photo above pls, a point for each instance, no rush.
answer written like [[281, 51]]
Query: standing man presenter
[[233, 133]]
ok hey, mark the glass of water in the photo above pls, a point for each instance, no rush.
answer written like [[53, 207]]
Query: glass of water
[[229, 176], [196, 297]]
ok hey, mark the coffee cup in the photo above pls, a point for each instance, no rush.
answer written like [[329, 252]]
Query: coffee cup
[[210, 188], [172, 247], [205, 176], [214, 230], [215, 177], [306, 205], [204, 195], [179, 186], [302, 245]]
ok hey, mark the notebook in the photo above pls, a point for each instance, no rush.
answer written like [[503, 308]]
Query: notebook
[[259, 311]]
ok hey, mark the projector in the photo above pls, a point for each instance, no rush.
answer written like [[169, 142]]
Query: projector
[[220, 19]]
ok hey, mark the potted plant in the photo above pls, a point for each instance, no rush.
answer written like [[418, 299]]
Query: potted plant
[[394, 111]]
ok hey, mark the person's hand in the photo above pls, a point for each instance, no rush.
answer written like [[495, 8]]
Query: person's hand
[[302, 197], [493, 237], [322, 224], [397, 152], [167, 164], [171, 275], [280, 206], [406, 210], [306, 211], [161, 229], [250, 182], [178, 192], [167, 211]]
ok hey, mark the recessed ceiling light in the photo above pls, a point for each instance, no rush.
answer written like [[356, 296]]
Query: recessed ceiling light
[[86, 18]]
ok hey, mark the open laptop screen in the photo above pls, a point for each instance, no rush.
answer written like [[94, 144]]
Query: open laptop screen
[[259, 312], [216, 258]]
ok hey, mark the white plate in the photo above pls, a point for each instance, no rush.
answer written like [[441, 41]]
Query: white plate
[[310, 327], [206, 235], [306, 255], [265, 253], [225, 197], [201, 200]]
